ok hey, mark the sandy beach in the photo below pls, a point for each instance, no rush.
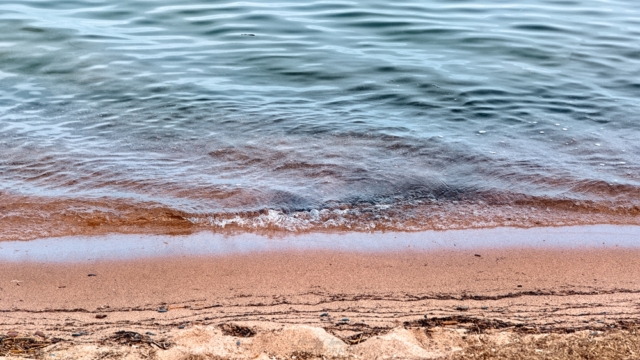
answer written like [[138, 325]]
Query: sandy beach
[[437, 303]]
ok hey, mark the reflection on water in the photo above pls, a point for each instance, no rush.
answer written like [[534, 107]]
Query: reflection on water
[[262, 114], [124, 247]]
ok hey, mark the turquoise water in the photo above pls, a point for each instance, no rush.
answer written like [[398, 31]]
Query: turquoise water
[[298, 115]]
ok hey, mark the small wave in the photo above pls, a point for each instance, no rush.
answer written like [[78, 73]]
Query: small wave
[[25, 218]]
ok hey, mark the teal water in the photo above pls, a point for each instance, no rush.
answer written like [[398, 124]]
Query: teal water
[[263, 111]]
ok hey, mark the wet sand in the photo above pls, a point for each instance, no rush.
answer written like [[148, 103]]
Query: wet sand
[[411, 303]]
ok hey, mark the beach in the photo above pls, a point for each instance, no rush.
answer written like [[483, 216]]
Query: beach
[[407, 179], [286, 303]]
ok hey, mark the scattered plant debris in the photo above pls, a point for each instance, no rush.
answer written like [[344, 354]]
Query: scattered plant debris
[[133, 338], [23, 346], [237, 330]]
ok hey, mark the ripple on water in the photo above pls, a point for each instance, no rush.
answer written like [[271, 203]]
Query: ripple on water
[[323, 114]]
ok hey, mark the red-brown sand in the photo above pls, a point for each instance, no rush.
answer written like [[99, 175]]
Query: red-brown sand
[[319, 302]]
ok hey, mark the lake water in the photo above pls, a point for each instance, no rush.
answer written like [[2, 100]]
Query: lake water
[[307, 115]]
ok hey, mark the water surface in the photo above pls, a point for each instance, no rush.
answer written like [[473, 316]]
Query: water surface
[[403, 115]]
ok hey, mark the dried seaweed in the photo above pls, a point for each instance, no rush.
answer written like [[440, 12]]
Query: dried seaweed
[[237, 330], [133, 338], [362, 332], [616, 344], [481, 325], [23, 346]]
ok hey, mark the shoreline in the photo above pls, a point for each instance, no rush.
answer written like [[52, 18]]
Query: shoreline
[[402, 300], [36, 217]]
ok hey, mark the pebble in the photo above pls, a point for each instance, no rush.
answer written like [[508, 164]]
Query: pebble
[[41, 334], [162, 310], [462, 308], [78, 334], [181, 327], [324, 315], [519, 285], [150, 333], [12, 334], [345, 319], [484, 307], [101, 316], [477, 255], [92, 275], [238, 343]]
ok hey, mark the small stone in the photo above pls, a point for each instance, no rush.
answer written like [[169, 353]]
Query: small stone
[[181, 327], [162, 310], [324, 315], [462, 308], [345, 319], [92, 275], [41, 334], [238, 343], [101, 316], [484, 307], [477, 255], [12, 334], [78, 334], [519, 285], [150, 333]]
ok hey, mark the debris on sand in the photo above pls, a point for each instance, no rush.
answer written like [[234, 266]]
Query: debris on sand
[[133, 338], [13, 344], [237, 330]]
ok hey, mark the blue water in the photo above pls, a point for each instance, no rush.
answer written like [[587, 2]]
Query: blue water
[[309, 114]]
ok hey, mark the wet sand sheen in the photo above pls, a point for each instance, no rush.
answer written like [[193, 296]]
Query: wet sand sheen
[[212, 244]]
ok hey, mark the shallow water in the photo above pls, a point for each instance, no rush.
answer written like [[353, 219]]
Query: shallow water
[[318, 114]]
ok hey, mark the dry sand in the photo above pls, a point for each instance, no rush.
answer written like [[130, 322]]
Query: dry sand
[[509, 303]]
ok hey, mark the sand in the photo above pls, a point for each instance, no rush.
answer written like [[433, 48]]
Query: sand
[[412, 304]]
